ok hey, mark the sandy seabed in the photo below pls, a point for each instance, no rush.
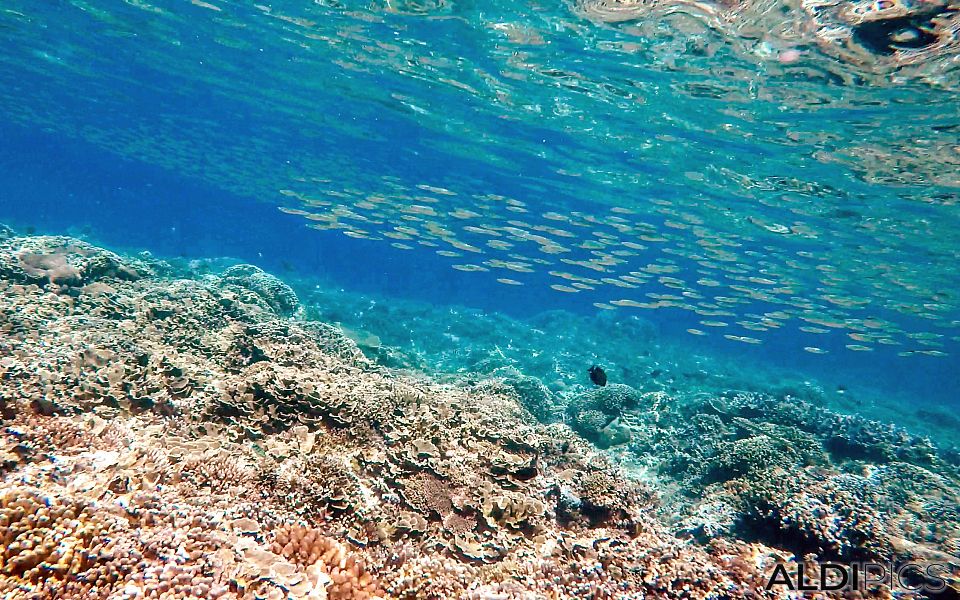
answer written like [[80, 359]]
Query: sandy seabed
[[176, 435]]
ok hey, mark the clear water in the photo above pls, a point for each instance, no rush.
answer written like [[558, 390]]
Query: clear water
[[759, 195], [746, 211]]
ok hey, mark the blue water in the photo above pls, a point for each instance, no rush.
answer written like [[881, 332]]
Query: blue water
[[182, 128]]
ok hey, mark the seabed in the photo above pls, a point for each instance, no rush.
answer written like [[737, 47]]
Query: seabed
[[192, 430]]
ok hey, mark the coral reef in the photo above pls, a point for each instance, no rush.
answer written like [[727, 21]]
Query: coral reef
[[277, 294], [594, 414], [307, 547], [218, 449], [61, 261], [532, 394], [799, 477], [170, 437]]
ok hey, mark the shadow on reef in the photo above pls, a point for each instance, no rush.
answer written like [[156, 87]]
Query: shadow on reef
[[181, 437]]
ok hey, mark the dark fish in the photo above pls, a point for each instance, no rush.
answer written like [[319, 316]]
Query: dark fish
[[597, 375]]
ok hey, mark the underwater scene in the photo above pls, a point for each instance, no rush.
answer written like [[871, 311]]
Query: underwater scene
[[501, 300]]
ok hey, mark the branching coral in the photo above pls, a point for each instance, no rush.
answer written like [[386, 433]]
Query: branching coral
[[833, 517], [217, 473], [307, 547]]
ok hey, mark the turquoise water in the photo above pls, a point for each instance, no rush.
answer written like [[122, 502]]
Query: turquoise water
[[766, 186]]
